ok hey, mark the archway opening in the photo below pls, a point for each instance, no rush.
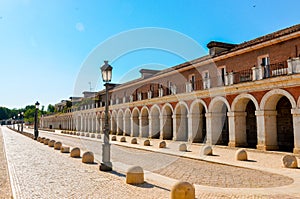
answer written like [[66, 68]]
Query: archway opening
[[120, 123], [155, 123], [167, 126], [113, 124], [251, 126], [198, 126], [145, 123], [284, 124], [181, 123], [135, 123], [127, 127]]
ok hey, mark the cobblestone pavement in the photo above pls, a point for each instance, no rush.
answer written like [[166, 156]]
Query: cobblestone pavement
[[211, 180], [5, 189], [191, 170], [194, 171], [41, 172]]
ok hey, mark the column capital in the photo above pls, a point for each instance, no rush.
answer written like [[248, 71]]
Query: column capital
[[236, 114], [295, 111], [266, 113]]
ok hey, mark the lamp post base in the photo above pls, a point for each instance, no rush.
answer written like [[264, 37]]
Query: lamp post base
[[105, 166]]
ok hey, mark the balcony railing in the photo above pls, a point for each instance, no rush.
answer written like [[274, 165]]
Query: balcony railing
[[243, 76], [290, 66], [278, 69]]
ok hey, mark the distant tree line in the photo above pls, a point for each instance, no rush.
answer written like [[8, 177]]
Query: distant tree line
[[29, 111]]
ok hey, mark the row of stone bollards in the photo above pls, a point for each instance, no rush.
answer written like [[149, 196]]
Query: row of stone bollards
[[87, 157], [288, 161], [91, 135]]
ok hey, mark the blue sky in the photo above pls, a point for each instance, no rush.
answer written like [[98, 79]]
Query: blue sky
[[45, 43]]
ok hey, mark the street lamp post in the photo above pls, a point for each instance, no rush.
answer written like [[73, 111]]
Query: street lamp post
[[18, 121], [14, 117], [106, 164], [22, 118], [36, 131]]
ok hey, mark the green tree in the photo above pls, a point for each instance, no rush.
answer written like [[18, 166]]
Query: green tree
[[50, 108], [4, 113]]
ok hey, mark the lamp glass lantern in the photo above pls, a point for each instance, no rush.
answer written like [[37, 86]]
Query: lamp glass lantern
[[37, 104], [106, 71]]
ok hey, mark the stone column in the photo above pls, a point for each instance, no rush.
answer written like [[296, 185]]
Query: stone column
[[124, 125], [237, 129], [132, 127], [150, 126], [81, 123], [97, 124], [296, 126], [266, 130]]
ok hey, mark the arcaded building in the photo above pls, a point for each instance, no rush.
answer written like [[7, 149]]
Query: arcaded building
[[240, 95]]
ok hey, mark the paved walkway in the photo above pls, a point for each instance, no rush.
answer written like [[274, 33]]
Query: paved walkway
[[263, 177], [5, 189], [39, 171]]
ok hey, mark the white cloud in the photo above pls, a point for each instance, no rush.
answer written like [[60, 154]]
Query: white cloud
[[80, 27]]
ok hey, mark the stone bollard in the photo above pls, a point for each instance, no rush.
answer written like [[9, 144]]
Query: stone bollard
[[75, 152], [88, 157], [42, 140], [51, 143], [46, 141], [206, 150], [182, 147], [87, 135], [114, 138], [162, 144], [133, 141], [65, 149], [98, 136], [78, 134], [135, 175], [93, 135], [82, 134], [57, 145], [123, 139], [241, 155], [147, 143], [183, 190], [289, 161]]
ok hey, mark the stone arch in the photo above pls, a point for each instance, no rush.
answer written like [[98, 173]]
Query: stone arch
[[144, 122], [127, 122], [135, 122], [218, 121], [197, 121], [298, 102], [154, 122], [180, 117], [215, 102], [120, 122], [166, 122], [278, 131], [270, 99], [240, 102], [242, 121]]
